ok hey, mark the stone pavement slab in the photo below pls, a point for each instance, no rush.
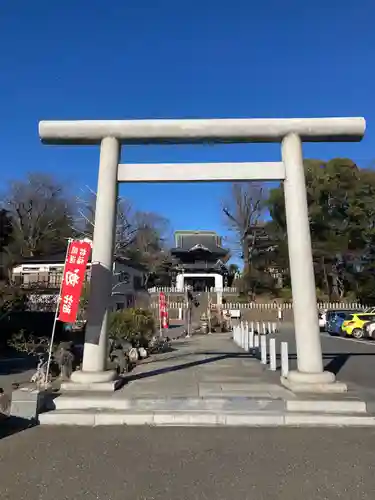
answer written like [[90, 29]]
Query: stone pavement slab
[[200, 366]]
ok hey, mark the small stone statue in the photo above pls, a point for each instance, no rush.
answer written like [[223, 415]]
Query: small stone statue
[[39, 377], [119, 354], [64, 358], [142, 352], [119, 358]]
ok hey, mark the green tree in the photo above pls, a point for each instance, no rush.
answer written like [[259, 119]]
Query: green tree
[[341, 207]]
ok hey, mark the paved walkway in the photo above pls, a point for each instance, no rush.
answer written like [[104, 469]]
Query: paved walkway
[[203, 366], [205, 380]]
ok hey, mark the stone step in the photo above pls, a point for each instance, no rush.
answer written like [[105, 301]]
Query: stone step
[[326, 406], [79, 401], [186, 404], [96, 417]]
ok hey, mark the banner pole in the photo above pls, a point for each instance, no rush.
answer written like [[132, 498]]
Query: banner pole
[[209, 312], [160, 323], [56, 314]]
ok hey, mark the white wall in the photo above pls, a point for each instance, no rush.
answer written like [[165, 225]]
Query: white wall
[[180, 279], [124, 288]]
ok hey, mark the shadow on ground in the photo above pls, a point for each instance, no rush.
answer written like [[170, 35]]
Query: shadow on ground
[[338, 360], [216, 357], [17, 365], [335, 361], [13, 425]]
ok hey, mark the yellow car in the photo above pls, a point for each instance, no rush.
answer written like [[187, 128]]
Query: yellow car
[[354, 322]]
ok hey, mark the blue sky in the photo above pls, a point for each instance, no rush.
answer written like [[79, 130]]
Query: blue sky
[[166, 59]]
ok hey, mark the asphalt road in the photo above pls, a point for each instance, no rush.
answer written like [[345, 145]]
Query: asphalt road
[[351, 360], [140, 463]]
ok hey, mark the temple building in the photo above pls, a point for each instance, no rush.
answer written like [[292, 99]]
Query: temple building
[[199, 261]]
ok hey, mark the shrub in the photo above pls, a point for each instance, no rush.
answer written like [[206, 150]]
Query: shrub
[[135, 325], [12, 298], [286, 294]]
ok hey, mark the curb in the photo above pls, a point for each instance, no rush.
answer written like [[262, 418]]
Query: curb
[[326, 406], [196, 419]]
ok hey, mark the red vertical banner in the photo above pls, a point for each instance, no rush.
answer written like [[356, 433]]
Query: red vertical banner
[[74, 276], [163, 310]]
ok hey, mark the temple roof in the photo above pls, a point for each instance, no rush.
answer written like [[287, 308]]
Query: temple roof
[[195, 241]]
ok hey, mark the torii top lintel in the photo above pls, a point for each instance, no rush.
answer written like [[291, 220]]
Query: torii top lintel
[[193, 131]]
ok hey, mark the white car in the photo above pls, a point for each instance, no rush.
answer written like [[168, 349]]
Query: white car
[[322, 319], [369, 329]]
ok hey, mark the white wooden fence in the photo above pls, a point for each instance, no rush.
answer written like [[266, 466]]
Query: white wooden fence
[[171, 305], [171, 289], [268, 306]]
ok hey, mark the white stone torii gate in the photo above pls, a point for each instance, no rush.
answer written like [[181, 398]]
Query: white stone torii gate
[[110, 134]]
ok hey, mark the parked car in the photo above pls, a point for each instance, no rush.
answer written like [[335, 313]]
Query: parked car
[[353, 324], [335, 319], [369, 329], [322, 319], [335, 322]]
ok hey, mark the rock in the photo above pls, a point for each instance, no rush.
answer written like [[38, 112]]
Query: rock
[[142, 353], [5, 403]]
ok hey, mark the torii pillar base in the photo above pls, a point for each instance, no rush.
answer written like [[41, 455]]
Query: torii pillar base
[[106, 381], [320, 383]]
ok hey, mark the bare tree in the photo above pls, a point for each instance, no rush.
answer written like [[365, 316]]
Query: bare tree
[[150, 246], [83, 223], [140, 236], [245, 209], [40, 213]]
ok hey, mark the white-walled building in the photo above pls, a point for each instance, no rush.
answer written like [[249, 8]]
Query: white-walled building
[[43, 275], [199, 260]]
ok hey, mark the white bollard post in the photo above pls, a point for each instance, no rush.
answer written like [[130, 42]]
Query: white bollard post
[[252, 326], [284, 359], [274, 328], [246, 336], [273, 354], [279, 314], [269, 327], [264, 330], [263, 350], [251, 338], [242, 336], [256, 341], [258, 328]]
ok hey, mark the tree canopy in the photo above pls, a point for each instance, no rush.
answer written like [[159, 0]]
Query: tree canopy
[[341, 205], [39, 214]]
